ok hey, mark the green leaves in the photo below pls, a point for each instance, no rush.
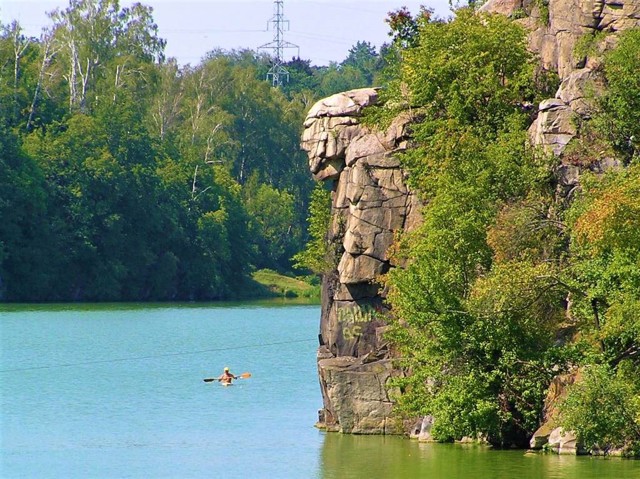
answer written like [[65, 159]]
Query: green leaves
[[606, 263], [603, 407], [620, 105], [474, 316], [474, 69], [93, 36], [316, 255], [272, 215], [610, 219]]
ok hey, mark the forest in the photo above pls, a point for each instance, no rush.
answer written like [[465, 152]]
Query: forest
[[508, 283], [126, 177]]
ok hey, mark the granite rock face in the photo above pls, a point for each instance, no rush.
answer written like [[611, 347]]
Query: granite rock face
[[555, 28], [370, 203], [549, 434], [356, 396]]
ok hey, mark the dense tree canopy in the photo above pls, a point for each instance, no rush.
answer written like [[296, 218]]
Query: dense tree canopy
[[499, 272], [126, 177]]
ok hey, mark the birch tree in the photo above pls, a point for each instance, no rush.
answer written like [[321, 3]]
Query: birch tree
[[90, 33], [48, 54]]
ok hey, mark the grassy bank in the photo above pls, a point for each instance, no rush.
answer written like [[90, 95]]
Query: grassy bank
[[277, 285]]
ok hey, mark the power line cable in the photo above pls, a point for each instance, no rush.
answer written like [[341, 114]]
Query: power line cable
[[193, 32], [344, 7], [155, 356]]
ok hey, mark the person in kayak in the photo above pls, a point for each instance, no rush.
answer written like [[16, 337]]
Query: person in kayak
[[226, 377]]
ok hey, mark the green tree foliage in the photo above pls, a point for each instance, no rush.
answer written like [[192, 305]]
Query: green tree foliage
[[303, 77], [272, 215], [361, 68], [475, 334], [336, 78], [620, 105], [404, 28], [363, 57], [127, 177], [24, 77], [606, 263], [603, 407], [528, 229], [90, 35], [464, 71], [316, 255], [25, 259]]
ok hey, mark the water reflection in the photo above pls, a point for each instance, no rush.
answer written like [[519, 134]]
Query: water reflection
[[368, 457]]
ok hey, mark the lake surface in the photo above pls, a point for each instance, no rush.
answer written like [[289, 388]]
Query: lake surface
[[116, 391]]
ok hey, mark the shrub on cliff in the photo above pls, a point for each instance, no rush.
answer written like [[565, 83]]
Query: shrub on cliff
[[603, 408], [619, 118]]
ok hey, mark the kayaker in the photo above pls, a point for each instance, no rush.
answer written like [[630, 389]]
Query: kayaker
[[226, 377]]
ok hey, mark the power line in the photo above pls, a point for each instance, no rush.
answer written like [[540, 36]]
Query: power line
[[278, 73], [343, 7], [324, 38], [155, 356], [189, 32]]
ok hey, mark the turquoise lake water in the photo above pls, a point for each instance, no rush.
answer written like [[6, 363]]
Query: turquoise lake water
[[116, 391]]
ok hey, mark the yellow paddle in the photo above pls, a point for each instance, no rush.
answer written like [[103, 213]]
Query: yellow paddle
[[241, 376]]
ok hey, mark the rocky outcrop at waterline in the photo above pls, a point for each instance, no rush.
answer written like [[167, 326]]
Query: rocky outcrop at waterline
[[370, 203]]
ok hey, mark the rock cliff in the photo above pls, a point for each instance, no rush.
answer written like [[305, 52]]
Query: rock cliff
[[556, 28], [371, 201]]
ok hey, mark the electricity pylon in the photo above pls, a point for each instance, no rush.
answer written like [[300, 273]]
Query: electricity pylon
[[278, 73]]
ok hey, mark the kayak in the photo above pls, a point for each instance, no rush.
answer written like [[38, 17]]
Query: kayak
[[241, 376]]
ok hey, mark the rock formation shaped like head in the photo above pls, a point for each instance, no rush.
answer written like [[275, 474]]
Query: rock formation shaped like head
[[330, 127]]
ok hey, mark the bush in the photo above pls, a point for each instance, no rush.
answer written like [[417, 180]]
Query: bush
[[604, 408]]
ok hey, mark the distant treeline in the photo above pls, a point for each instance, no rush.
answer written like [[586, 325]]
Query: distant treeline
[[126, 177]]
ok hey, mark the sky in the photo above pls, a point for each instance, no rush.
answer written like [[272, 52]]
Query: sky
[[324, 30]]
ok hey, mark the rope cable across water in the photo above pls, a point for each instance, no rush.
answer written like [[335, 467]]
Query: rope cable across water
[[140, 358]]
